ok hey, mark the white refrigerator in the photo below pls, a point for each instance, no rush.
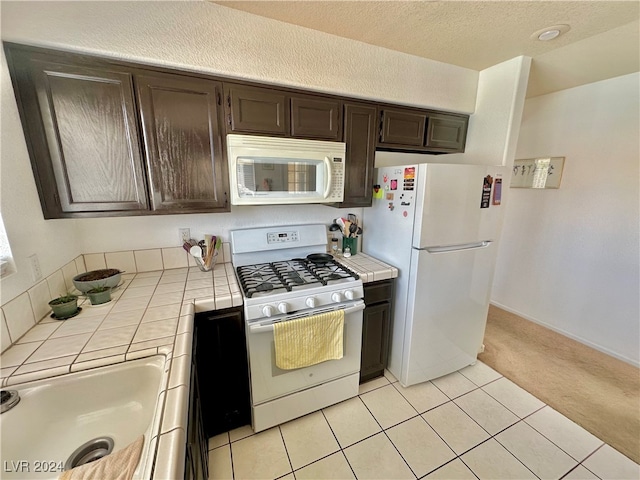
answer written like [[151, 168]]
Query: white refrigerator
[[439, 225]]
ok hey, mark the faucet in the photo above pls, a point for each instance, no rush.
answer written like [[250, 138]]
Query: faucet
[[8, 400]]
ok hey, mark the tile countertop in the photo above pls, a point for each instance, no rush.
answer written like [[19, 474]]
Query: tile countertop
[[152, 313], [370, 269]]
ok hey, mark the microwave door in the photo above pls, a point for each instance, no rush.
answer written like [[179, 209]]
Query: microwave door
[[279, 177], [246, 178], [265, 171]]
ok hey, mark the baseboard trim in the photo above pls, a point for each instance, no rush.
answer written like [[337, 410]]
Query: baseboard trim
[[595, 346]]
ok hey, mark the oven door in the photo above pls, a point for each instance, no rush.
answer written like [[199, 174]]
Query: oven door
[[269, 382]]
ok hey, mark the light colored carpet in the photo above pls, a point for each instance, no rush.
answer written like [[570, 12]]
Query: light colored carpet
[[596, 391]]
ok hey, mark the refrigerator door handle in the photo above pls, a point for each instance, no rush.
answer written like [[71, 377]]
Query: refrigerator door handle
[[455, 248]]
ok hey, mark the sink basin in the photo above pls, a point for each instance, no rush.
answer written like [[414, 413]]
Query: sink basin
[[55, 416]]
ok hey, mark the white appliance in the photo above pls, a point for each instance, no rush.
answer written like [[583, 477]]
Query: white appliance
[[270, 171], [280, 284], [438, 224]]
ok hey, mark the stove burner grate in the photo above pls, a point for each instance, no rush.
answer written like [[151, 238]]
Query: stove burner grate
[[286, 275]]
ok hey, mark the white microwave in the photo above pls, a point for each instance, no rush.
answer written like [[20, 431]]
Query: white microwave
[[272, 171]]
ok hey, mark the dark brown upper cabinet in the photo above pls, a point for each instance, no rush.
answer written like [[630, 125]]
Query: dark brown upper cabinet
[[402, 128], [268, 111], [110, 138], [256, 110], [448, 132], [317, 118], [422, 131], [81, 130], [181, 121], [360, 129]]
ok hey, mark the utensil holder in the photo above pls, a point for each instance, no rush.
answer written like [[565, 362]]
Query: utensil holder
[[352, 243], [204, 266]]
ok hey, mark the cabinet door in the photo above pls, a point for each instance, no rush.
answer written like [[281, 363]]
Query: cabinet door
[[316, 118], [377, 292], [87, 136], [360, 137], [375, 341], [256, 110], [448, 132], [403, 128], [181, 127], [222, 366]]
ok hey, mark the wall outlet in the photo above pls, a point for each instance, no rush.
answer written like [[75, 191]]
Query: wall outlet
[[185, 235], [481, 349], [36, 272]]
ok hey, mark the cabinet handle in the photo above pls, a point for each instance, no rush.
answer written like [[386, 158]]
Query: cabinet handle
[[229, 100], [229, 119], [218, 98]]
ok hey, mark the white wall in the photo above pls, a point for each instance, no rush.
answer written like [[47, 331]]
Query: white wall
[[137, 233], [494, 127], [197, 36], [206, 37], [569, 258]]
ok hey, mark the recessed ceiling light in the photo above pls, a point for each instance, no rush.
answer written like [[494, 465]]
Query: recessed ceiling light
[[549, 33]]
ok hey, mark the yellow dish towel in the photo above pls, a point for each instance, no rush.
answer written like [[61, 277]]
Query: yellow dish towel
[[309, 340], [118, 465]]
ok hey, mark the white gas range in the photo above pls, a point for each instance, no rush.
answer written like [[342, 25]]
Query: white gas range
[[284, 275]]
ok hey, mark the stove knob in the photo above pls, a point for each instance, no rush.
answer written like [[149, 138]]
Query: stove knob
[[267, 310], [310, 302], [349, 294], [283, 307], [336, 297]]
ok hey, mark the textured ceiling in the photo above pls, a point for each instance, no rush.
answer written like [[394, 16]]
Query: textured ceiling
[[603, 40]]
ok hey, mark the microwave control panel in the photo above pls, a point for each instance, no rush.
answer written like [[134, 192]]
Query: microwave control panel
[[337, 180]]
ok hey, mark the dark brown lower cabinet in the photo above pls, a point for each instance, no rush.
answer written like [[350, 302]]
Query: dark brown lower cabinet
[[223, 371], [376, 328]]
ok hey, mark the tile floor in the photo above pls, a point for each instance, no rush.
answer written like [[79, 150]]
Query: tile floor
[[471, 424]]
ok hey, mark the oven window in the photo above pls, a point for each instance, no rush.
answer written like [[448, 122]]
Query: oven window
[[259, 176]]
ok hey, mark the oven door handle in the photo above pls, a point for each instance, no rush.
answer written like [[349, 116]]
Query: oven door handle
[[269, 328]]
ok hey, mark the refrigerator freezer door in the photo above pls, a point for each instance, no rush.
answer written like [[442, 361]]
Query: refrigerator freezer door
[[447, 306], [448, 205]]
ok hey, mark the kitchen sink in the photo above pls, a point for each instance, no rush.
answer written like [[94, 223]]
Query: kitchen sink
[[56, 416]]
